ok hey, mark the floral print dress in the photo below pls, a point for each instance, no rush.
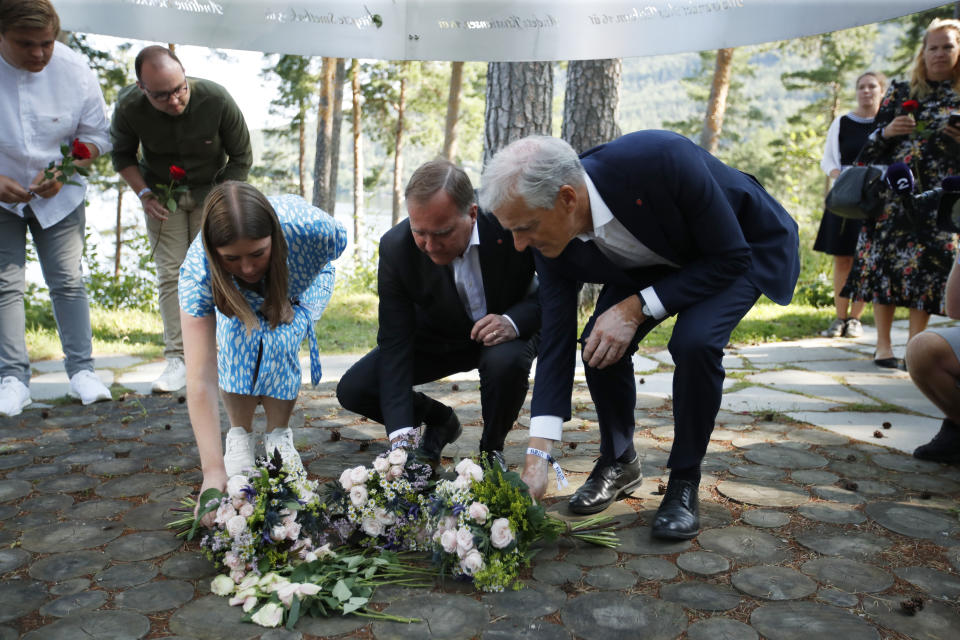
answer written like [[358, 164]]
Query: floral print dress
[[266, 362], [902, 259]]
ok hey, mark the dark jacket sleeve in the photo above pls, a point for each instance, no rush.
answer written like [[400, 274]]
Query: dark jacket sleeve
[[236, 142], [126, 142], [553, 385]]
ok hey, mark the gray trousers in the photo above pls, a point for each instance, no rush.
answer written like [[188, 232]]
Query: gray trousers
[[60, 251]]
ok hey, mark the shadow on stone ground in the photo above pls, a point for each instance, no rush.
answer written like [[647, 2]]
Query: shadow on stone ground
[[806, 534]]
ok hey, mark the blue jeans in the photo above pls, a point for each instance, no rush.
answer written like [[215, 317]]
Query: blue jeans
[[60, 251]]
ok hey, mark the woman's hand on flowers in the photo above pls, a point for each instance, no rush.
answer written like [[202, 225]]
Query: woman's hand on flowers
[[153, 208], [900, 126], [211, 480], [46, 188], [11, 192]]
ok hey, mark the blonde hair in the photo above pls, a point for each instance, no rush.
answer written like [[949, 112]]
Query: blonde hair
[[236, 210], [28, 14], [918, 80]]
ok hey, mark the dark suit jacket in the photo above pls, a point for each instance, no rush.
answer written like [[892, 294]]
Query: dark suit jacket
[[420, 309], [715, 222]]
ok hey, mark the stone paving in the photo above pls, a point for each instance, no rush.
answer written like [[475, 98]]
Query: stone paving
[[812, 525]]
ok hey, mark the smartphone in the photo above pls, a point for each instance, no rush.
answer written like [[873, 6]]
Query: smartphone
[[954, 120]]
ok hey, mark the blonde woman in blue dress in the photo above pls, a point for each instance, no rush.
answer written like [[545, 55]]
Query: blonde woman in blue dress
[[255, 279]]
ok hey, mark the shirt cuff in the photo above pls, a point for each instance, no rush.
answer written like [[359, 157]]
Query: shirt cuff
[[550, 427], [512, 324], [402, 431], [652, 300]]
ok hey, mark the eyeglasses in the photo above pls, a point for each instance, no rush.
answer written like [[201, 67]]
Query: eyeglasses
[[164, 96]]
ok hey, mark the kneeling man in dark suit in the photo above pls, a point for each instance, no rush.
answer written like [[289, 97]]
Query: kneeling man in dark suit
[[668, 230], [454, 296]]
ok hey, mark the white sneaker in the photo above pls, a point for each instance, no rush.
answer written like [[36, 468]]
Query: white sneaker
[[282, 440], [14, 396], [87, 386], [174, 377], [238, 451]]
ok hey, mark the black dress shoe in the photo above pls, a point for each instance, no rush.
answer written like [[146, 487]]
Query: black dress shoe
[[608, 482], [678, 517], [495, 460], [437, 436], [945, 446]]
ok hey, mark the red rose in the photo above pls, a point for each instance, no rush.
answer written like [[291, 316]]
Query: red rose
[[176, 173], [909, 106], [79, 151]]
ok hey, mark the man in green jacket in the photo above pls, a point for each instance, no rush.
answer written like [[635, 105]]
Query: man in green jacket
[[190, 135]]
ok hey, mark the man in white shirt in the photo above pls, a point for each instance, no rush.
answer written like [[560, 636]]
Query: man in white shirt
[[48, 97], [454, 296]]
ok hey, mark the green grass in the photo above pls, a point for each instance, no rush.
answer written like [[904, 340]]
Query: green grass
[[349, 325]]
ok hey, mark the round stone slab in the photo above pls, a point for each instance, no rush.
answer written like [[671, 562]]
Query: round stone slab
[[784, 457], [188, 565], [11, 559], [938, 584], [773, 583], [806, 620], [533, 601], [20, 597], [905, 463], [837, 494], [766, 494], [765, 518], [96, 509], [846, 544], [638, 541], [84, 601], [556, 572], [814, 436], [592, 556], [213, 617], [911, 520], [46, 503], [66, 484], [703, 563], [936, 620], [611, 616], [512, 629], [14, 489], [653, 568], [155, 596], [744, 544], [442, 616], [120, 576], [70, 536], [757, 472], [814, 476], [720, 629], [831, 512], [611, 578], [102, 625], [848, 575], [143, 546], [701, 595], [152, 515], [927, 482], [135, 485], [63, 566]]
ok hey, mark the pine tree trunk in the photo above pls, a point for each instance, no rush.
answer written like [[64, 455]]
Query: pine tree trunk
[[519, 103], [398, 147], [591, 106], [322, 151], [119, 240], [357, 156], [717, 106], [302, 155], [338, 79], [453, 111]]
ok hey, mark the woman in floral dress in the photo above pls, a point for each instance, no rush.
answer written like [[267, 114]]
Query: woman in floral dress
[[902, 259]]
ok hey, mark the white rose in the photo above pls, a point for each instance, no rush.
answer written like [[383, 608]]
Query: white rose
[[222, 585], [381, 464], [246, 510], [394, 472], [398, 456], [286, 593], [293, 530], [448, 540], [232, 561], [385, 517], [371, 526], [345, 480], [269, 615], [309, 556], [472, 562], [462, 466], [473, 471], [249, 603], [500, 534], [479, 512], [278, 532], [359, 475], [236, 525], [249, 582], [462, 483], [464, 539], [308, 589], [236, 484], [237, 575], [224, 512], [450, 522], [325, 551], [358, 495]]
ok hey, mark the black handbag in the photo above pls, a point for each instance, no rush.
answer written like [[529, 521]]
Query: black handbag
[[857, 193]]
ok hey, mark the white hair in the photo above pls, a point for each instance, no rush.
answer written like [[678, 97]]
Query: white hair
[[532, 168]]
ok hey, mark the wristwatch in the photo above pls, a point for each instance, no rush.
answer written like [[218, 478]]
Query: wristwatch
[[644, 307]]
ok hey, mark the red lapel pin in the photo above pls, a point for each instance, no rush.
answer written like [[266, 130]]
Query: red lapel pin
[[639, 202]]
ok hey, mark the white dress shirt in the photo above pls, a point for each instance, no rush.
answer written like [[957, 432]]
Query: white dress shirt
[[624, 250], [41, 111]]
